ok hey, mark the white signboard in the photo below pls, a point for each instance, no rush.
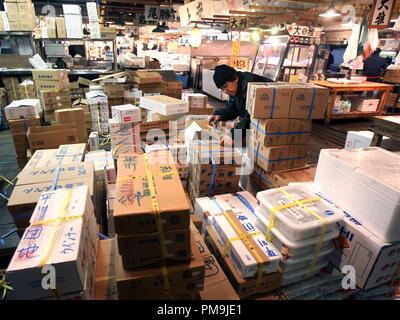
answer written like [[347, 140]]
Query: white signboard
[[382, 11]]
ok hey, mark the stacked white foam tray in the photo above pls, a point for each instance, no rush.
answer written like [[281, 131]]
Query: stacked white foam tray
[[366, 184], [125, 130], [164, 105], [298, 232]]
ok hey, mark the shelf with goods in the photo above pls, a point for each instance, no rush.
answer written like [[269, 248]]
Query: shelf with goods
[[336, 88]]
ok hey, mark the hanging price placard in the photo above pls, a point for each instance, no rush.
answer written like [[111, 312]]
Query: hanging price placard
[[239, 63], [235, 48]]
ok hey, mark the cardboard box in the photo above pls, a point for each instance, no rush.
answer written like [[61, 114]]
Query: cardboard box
[[134, 212], [75, 115], [126, 113], [148, 284], [61, 31], [25, 108], [51, 136], [70, 261], [67, 153], [105, 287], [10, 83], [150, 125], [27, 90], [52, 96], [216, 284], [96, 99], [308, 102], [51, 85], [374, 260], [297, 154], [267, 101], [84, 81], [21, 126], [51, 75], [114, 90], [164, 105], [143, 77], [20, 144], [196, 100], [244, 288], [271, 132], [201, 111], [145, 249]]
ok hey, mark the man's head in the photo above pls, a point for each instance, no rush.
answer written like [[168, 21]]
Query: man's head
[[226, 78]]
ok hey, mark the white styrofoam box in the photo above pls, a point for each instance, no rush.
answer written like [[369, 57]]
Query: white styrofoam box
[[71, 9], [198, 100], [307, 286], [178, 150], [164, 104], [103, 126], [73, 26], [151, 94], [366, 184], [155, 116], [359, 139], [207, 207], [243, 260], [198, 117], [126, 113], [96, 98], [102, 160], [294, 248], [305, 261], [181, 67], [133, 94], [25, 108], [297, 275], [296, 222]]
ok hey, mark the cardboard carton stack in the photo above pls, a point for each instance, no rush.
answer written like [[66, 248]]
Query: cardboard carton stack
[[115, 92], [11, 85], [172, 89], [301, 226], [104, 171], [125, 130], [147, 82], [75, 116], [53, 100], [213, 169], [39, 173], [98, 104], [72, 254], [197, 104], [21, 15], [363, 182], [76, 91], [149, 191], [19, 129], [132, 96], [50, 79], [281, 116]]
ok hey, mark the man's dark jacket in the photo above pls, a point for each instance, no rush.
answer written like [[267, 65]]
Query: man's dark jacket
[[236, 106], [374, 65]]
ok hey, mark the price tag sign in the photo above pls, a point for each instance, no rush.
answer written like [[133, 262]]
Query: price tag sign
[[235, 48], [239, 63]]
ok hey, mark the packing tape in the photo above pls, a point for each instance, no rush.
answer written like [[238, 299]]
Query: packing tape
[[301, 204], [6, 235], [54, 184], [244, 201], [246, 242], [142, 177], [312, 103], [273, 103], [25, 125], [156, 210]]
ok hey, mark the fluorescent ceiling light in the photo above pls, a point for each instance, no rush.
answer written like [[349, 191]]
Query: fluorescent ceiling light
[[330, 12]]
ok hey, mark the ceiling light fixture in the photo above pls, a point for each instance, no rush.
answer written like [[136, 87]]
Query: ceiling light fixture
[[330, 12]]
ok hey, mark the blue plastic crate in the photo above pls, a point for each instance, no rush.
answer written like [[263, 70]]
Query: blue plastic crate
[[184, 79]]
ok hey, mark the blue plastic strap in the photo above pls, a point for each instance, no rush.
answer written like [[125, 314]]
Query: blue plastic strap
[[22, 215], [262, 178], [213, 174], [244, 201], [273, 103], [103, 236], [216, 202], [258, 147], [6, 235], [54, 185], [276, 133], [165, 144], [287, 159], [25, 126], [312, 103]]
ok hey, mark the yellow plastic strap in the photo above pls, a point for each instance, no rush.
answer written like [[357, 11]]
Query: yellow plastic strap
[[104, 278], [3, 283], [15, 92], [99, 120], [324, 225], [249, 246], [160, 229], [26, 91], [228, 244], [115, 150], [153, 174]]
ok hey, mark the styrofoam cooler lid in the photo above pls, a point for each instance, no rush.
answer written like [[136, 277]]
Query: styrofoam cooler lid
[[375, 167], [308, 257], [295, 244], [297, 217]]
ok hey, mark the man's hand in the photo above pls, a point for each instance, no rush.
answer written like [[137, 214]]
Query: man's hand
[[214, 119], [226, 141]]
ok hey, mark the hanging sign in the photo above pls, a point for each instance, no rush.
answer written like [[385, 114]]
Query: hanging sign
[[238, 23], [239, 63], [151, 13], [381, 13], [235, 48]]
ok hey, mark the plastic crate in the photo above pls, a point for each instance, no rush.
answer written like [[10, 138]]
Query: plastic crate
[[184, 79]]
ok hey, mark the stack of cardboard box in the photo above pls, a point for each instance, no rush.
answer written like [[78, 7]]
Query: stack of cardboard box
[[98, 104], [115, 93], [76, 91], [75, 116], [72, 254], [82, 103], [11, 85], [148, 82], [281, 123], [27, 90], [171, 89], [38, 175], [213, 169], [125, 129], [21, 15], [52, 100], [50, 79], [19, 129], [151, 218], [198, 105]]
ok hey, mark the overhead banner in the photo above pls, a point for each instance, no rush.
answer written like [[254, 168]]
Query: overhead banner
[[381, 13]]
